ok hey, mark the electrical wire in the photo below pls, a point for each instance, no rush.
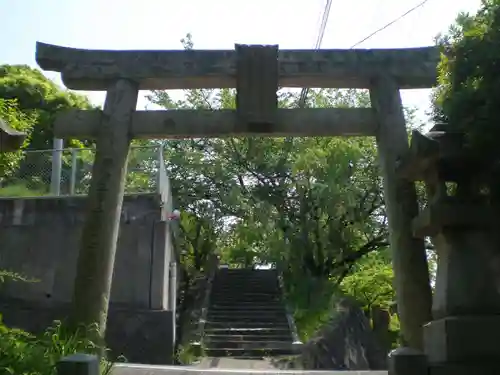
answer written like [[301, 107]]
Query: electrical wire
[[319, 40], [305, 91], [390, 23], [324, 22]]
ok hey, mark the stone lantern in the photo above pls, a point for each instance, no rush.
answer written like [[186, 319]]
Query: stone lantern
[[463, 336], [10, 139]]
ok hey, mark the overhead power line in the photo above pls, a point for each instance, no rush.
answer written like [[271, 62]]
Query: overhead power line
[[319, 40], [305, 91], [324, 22], [390, 23]]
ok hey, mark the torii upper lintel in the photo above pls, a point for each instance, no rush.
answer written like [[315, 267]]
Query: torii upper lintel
[[84, 69]]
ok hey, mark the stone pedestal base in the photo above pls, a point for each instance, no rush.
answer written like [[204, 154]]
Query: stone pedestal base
[[478, 368], [463, 345]]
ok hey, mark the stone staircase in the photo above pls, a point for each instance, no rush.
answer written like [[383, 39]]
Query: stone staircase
[[246, 316]]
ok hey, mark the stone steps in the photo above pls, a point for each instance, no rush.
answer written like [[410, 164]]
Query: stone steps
[[237, 296], [239, 324], [254, 292], [246, 317], [243, 291], [255, 298], [242, 301], [252, 344], [246, 283], [247, 353], [249, 337], [247, 307], [244, 297], [246, 331], [267, 314]]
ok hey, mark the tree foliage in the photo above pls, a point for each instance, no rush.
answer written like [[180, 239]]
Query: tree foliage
[[469, 83], [371, 282], [35, 100], [36, 93], [22, 121]]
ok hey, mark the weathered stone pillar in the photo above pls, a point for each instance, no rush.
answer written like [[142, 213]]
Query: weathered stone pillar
[[413, 293], [100, 231], [462, 338]]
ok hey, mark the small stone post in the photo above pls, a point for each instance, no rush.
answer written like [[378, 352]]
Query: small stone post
[[381, 320], [78, 364], [407, 361]]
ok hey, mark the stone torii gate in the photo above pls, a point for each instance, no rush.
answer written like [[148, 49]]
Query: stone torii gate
[[256, 72]]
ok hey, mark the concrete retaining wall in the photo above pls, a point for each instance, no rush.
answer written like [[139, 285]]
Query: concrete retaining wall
[[39, 238], [141, 336]]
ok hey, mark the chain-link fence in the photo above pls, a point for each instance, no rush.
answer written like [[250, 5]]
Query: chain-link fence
[[69, 172]]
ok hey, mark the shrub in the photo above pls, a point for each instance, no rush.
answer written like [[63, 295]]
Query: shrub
[[22, 353]]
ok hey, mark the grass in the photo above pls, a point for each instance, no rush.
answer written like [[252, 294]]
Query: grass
[[20, 190]]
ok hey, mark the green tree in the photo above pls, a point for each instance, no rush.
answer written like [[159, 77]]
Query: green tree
[[371, 282], [38, 97], [469, 84]]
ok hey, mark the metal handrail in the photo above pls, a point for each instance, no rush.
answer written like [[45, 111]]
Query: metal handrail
[[213, 267]]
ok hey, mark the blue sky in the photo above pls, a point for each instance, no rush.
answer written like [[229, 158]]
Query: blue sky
[[219, 24]]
